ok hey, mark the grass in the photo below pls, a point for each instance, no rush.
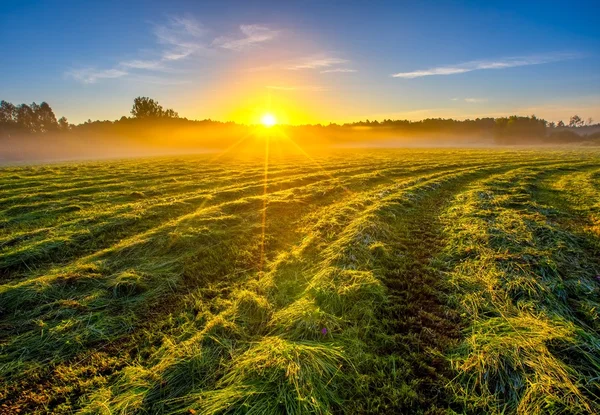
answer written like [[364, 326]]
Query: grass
[[529, 288], [438, 281]]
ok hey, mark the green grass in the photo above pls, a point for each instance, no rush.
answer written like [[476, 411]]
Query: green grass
[[438, 281]]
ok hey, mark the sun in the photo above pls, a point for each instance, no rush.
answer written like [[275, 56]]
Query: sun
[[268, 120]]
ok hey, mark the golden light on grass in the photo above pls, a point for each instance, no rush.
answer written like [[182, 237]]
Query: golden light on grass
[[268, 120]]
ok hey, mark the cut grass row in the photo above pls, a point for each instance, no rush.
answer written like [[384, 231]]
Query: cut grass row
[[527, 288], [27, 250]]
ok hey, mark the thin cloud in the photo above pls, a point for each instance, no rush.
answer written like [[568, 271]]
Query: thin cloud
[[253, 35], [91, 76], [339, 70], [142, 64], [316, 63], [183, 36], [475, 100], [503, 63], [321, 61]]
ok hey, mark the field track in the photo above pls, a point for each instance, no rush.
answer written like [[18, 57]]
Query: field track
[[409, 281]]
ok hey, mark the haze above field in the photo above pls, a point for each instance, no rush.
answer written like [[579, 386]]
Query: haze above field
[[305, 62]]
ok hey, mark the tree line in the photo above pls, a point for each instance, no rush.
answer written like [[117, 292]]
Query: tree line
[[574, 122], [40, 119]]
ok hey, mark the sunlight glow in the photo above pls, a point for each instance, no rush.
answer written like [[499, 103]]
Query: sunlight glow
[[268, 120]]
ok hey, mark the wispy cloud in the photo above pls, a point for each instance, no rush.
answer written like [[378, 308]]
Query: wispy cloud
[[470, 100], [321, 61], [182, 36], [475, 100], [339, 70], [503, 63], [316, 62], [142, 64], [177, 39], [91, 75], [253, 35]]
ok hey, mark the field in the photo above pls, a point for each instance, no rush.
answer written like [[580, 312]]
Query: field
[[408, 281]]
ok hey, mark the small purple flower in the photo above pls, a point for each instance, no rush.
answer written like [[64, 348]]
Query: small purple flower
[[324, 331]]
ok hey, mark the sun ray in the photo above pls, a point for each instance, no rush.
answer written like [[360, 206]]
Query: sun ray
[[264, 209], [309, 157], [251, 133], [222, 153]]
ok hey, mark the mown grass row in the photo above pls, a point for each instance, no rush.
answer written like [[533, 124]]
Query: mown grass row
[[92, 229], [529, 290], [96, 228]]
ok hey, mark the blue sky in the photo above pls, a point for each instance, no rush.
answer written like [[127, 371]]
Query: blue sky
[[308, 61]]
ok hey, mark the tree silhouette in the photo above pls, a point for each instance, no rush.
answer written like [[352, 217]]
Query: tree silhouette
[[171, 114], [7, 112], [145, 107], [63, 124], [45, 119], [25, 118], [576, 121]]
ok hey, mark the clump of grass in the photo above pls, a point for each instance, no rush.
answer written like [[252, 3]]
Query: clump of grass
[[250, 309], [137, 195], [350, 294], [127, 283], [278, 376], [509, 362], [305, 320], [221, 331]]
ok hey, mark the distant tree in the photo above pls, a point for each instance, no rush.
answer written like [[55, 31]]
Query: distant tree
[[590, 121], [7, 112], [63, 124], [25, 118], [45, 119], [170, 114], [7, 118], [144, 107], [576, 121], [552, 124], [560, 124]]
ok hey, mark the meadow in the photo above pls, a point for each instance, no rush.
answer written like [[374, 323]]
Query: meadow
[[359, 281]]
